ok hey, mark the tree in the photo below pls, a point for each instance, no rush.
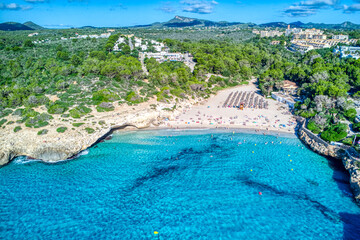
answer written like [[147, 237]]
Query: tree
[[62, 55], [75, 60], [126, 49], [29, 43]]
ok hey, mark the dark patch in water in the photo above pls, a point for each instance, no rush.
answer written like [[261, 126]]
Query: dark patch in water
[[155, 173], [351, 223], [340, 179], [190, 155], [327, 212], [312, 182]]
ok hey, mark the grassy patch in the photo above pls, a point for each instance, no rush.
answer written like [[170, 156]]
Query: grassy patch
[[101, 109], [17, 128], [43, 132], [89, 130], [61, 129], [38, 121], [2, 121], [79, 111], [5, 113], [78, 124]]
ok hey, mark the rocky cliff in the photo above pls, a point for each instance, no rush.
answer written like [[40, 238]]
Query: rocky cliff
[[351, 163], [55, 146]]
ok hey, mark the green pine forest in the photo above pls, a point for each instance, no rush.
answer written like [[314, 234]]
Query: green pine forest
[[86, 72]]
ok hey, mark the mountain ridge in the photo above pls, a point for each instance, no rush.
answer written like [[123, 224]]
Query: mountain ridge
[[180, 21]]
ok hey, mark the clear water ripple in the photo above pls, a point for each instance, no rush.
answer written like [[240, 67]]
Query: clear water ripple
[[183, 184]]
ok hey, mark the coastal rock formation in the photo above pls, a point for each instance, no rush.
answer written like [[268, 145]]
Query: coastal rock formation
[[317, 145], [354, 169], [351, 164], [55, 146]]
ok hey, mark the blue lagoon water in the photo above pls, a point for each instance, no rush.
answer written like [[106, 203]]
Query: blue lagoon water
[[184, 185]]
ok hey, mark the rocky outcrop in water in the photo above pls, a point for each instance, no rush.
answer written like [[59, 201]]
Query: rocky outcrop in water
[[350, 162], [354, 169]]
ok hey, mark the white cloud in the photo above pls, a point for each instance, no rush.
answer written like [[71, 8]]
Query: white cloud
[[13, 7], [352, 8], [309, 7], [198, 6], [36, 1]]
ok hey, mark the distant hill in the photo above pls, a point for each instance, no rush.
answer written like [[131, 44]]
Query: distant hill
[[274, 24], [179, 21], [345, 25], [87, 27], [33, 26], [14, 26]]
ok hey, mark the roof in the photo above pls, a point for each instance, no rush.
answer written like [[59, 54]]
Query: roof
[[288, 84]]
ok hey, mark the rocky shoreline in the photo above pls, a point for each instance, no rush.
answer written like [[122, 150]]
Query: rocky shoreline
[[52, 148], [55, 147], [348, 155]]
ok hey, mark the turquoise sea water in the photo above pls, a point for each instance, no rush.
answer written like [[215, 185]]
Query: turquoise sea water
[[184, 185]]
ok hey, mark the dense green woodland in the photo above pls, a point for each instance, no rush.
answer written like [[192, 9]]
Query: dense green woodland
[[85, 72]]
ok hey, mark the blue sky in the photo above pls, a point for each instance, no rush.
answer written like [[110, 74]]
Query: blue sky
[[116, 13]]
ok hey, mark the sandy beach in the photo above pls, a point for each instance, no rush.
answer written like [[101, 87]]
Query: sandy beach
[[189, 114], [211, 114]]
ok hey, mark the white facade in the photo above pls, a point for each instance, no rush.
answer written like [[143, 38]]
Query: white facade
[[348, 52], [33, 34], [281, 98], [341, 37]]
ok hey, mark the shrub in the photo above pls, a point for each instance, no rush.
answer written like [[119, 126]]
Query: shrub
[[61, 129], [335, 132], [132, 97], [19, 112], [2, 121], [78, 124], [5, 113], [306, 114], [313, 127], [356, 127], [105, 107], [104, 95], [348, 141], [17, 128], [38, 121], [89, 130], [79, 111], [42, 132], [350, 114], [57, 108]]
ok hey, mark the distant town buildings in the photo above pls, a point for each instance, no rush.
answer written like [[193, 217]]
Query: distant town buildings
[[341, 37], [309, 39], [348, 52], [144, 45], [78, 36], [310, 34], [272, 33], [276, 43], [305, 45], [290, 31], [165, 56], [33, 34]]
